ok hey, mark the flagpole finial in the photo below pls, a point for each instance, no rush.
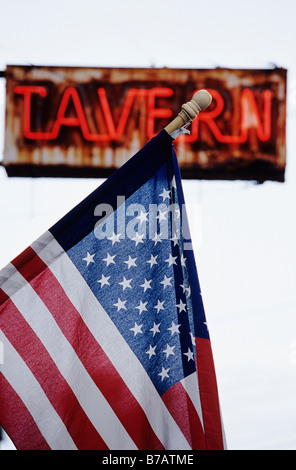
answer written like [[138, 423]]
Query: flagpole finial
[[200, 100]]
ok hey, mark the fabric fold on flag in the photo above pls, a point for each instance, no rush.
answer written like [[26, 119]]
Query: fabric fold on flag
[[103, 326]]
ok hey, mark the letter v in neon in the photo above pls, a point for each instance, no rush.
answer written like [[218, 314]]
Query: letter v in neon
[[115, 134]]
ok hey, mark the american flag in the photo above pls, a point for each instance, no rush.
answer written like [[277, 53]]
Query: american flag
[[102, 325]]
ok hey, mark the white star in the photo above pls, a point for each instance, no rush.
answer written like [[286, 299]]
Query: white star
[[109, 259], [165, 194], [164, 373], [175, 239], [157, 238], [183, 287], [138, 238], [137, 329], [120, 304], [89, 258], [104, 281], [181, 306], [183, 260], [125, 283], [189, 355], [161, 216], [114, 238], [131, 262], [177, 213], [171, 260], [169, 350], [166, 281], [155, 328], [186, 289], [151, 351], [142, 307], [152, 260], [142, 217], [159, 306], [146, 285], [174, 328]]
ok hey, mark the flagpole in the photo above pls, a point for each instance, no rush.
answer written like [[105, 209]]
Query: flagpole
[[200, 100]]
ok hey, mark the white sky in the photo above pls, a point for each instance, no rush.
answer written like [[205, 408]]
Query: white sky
[[246, 260]]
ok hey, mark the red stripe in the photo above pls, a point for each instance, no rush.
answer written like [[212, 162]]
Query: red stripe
[[209, 394], [17, 421], [24, 262], [32, 351], [3, 297], [88, 350], [184, 413]]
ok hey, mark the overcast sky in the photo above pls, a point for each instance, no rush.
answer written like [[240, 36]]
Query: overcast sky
[[245, 245]]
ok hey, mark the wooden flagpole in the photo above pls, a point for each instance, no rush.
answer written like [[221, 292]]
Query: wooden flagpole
[[200, 100]]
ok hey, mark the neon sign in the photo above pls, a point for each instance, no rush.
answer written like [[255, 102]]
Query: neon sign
[[250, 116], [97, 118]]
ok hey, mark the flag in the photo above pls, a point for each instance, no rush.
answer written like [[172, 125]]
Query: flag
[[102, 326]]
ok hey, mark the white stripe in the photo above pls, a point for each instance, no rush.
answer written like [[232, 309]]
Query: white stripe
[[5, 275], [114, 345], [89, 396], [32, 395], [190, 383]]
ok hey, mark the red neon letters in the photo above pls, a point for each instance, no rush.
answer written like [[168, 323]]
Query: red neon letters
[[250, 116]]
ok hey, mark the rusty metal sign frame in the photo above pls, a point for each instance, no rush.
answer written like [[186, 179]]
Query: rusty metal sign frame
[[86, 122]]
